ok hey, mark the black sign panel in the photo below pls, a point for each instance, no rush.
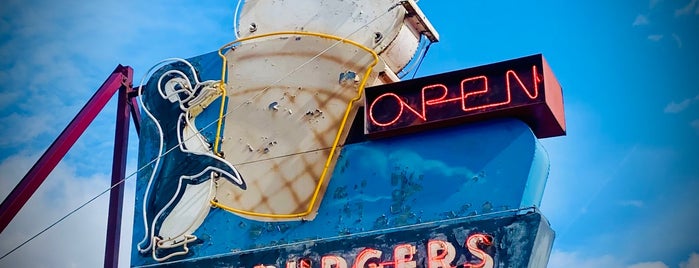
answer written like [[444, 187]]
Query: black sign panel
[[524, 88], [507, 241]]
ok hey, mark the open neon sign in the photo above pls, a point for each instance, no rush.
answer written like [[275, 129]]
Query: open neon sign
[[523, 88]]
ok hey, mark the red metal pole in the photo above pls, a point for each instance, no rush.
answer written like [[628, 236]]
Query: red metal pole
[[135, 114], [48, 161], [116, 194]]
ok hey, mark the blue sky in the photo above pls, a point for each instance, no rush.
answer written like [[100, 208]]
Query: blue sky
[[623, 186]]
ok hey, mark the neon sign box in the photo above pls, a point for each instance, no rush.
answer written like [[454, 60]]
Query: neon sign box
[[524, 88]]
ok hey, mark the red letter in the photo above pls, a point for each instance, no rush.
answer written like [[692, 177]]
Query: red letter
[[472, 245], [535, 80], [439, 100], [440, 254], [401, 103], [403, 256], [464, 95], [371, 110], [364, 256], [333, 262], [303, 263]]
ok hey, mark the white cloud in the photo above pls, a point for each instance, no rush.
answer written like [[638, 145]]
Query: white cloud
[[78, 241], [675, 107], [655, 37], [670, 214], [654, 3], [695, 125], [12, 170], [640, 20], [24, 128], [562, 259], [52, 62], [656, 264], [677, 40], [692, 262], [677, 224], [574, 212], [686, 10], [632, 203], [9, 97]]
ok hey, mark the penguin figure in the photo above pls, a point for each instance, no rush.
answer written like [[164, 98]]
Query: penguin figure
[[168, 100]]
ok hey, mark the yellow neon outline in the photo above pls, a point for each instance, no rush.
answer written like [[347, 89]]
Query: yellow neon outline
[[314, 198]]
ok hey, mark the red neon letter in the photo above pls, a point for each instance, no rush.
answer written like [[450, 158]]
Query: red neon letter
[[439, 100], [535, 80], [303, 263], [371, 110], [401, 103], [364, 256], [332, 262], [440, 254], [464, 95], [472, 245], [403, 256]]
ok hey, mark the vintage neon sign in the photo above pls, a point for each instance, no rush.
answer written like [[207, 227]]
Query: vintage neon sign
[[523, 88], [439, 254]]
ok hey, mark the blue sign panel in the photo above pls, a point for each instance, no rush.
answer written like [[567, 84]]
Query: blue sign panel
[[454, 184]]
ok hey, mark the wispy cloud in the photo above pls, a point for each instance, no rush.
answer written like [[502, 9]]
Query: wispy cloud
[[654, 3], [632, 203], [640, 20], [673, 217], [674, 107], [695, 125], [656, 264], [692, 262], [73, 241], [655, 37], [595, 194], [25, 127], [563, 259], [669, 217], [677, 107], [677, 40], [686, 10]]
